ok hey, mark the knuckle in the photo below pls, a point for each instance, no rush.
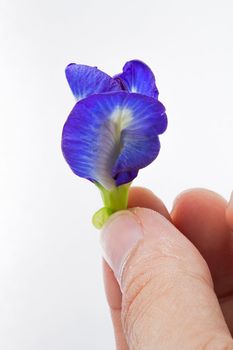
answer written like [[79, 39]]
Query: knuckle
[[143, 296]]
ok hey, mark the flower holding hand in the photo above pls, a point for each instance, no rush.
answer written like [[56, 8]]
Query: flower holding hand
[[168, 276]]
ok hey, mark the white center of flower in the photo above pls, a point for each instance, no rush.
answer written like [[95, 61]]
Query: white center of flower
[[133, 89], [119, 120]]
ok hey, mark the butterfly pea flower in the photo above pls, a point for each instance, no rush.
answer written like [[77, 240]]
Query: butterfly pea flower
[[112, 131]]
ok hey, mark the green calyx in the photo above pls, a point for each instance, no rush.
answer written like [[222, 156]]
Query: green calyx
[[114, 200]]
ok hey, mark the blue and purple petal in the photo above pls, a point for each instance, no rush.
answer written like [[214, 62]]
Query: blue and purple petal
[[108, 137], [138, 77], [85, 80]]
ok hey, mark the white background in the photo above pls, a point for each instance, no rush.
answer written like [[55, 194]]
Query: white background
[[51, 290]]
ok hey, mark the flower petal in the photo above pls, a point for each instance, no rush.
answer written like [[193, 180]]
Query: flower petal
[[108, 137], [138, 77], [85, 80], [140, 154]]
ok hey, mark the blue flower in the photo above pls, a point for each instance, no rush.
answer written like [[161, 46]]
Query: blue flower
[[113, 129]]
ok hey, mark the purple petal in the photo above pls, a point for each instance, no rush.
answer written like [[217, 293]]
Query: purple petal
[[108, 137], [85, 81], [138, 77], [125, 177]]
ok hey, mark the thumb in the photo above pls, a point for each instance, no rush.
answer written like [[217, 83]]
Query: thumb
[[168, 301]]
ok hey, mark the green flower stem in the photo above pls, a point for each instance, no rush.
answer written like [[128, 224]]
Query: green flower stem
[[114, 200]]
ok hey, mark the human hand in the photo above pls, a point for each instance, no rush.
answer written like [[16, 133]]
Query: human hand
[[176, 289]]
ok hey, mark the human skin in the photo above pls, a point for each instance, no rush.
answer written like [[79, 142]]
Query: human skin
[[169, 277]]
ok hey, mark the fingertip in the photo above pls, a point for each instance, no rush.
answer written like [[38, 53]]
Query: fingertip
[[200, 215], [191, 198], [145, 198], [196, 207], [125, 229]]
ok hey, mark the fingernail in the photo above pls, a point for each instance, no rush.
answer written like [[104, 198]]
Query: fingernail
[[230, 203], [118, 237], [229, 212]]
